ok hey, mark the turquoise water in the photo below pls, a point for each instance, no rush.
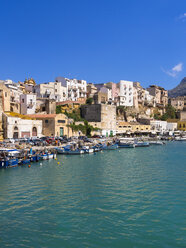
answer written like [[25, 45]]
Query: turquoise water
[[123, 198]]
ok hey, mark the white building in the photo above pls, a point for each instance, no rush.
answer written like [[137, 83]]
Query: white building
[[15, 127], [172, 126], [76, 89], [51, 90], [27, 104], [159, 126], [125, 93]]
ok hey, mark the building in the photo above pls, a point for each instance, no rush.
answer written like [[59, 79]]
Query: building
[[114, 91], [4, 98], [27, 86], [125, 97], [76, 89], [158, 126], [160, 94], [18, 126], [4, 104], [123, 127], [15, 92], [172, 126], [142, 97], [28, 104], [54, 124], [182, 125], [91, 90], [51, 90], [102, 116], [140, 128], [178, 102]]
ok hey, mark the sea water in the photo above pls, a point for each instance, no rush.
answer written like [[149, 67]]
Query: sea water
[[124, 198]]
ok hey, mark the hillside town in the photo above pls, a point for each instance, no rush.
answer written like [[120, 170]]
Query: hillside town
[[71, 107]]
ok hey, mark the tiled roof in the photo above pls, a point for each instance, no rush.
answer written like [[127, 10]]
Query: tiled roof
[[42, 116]]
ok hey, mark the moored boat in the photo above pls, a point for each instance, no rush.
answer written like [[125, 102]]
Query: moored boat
[[141, 144], [110, 147], [8, 157], [126, 145], [156, 143]]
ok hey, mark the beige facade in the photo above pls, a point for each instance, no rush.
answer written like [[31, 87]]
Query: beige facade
[[102, 116], [4, 105], [137, 127], [178, 102], [54, 124], [160, 94], [91, 90], [123, 127]]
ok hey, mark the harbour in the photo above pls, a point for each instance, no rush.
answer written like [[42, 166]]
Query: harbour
[[119, 198]]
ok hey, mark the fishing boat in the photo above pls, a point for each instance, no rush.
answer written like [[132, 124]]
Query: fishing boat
[[24, 161], [87, 149], [156, 143], [46, 156], [126, 145], [8, 157], [110, 147], [141, 144], [75, 152]]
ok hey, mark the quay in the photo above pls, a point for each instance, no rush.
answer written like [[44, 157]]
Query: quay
[[24, 152]]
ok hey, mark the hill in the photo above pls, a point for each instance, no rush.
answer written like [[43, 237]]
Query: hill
[[179, 90]]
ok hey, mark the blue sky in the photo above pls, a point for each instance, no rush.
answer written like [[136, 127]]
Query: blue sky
[[99, 41]]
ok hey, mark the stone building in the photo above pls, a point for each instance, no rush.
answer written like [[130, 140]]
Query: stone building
[[178, 102], [102, 116], [91, 90], [15, 92], [160, 94], [18, 126], [4, 104], [54, 124]]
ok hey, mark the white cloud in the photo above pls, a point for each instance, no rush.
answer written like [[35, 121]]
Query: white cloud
[[183, 17], [175, 70]]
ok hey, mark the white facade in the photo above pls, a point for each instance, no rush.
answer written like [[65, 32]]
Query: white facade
[[52, 90], [125, 93], [75, 88], [28, 104], [158, 125], [22, 128], [172, 126]]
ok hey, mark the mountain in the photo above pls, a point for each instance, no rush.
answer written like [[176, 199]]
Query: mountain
[[179, 90]]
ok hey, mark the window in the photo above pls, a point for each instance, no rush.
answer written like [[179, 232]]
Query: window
[[46, 121], [55, 90], [5, 94], [23, 100], [183, 125], [61, 121]]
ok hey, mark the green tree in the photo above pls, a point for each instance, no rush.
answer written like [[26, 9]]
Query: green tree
[[89, 100], [58, 109], [169, 114]]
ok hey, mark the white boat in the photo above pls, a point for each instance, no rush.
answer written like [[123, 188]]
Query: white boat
[[157, 143], [87, 149]]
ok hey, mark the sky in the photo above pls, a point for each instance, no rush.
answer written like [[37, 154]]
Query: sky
[[96, 40]]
